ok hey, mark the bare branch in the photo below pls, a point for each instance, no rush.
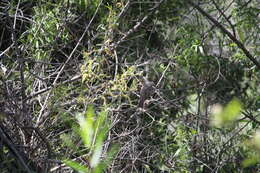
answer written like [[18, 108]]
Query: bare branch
[[223, 29]]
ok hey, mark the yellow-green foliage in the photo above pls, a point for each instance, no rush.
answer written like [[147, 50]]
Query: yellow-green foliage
[[224, 116]]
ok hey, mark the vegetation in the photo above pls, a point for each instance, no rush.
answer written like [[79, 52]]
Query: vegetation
[[72, 73]]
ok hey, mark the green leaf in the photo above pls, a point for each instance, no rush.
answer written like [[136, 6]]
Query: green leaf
[[255, 141], [100, 120], [87, 126], [223, 116], [96, 155], [76, 166], [107, 160], [251, 161], [101, 130]]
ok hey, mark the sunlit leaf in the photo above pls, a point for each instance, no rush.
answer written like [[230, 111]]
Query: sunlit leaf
[[101, 130], [223, 116], [255, 141], [96, 155], [86, 126]]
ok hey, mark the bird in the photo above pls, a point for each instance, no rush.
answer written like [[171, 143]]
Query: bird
[[146, 91]]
